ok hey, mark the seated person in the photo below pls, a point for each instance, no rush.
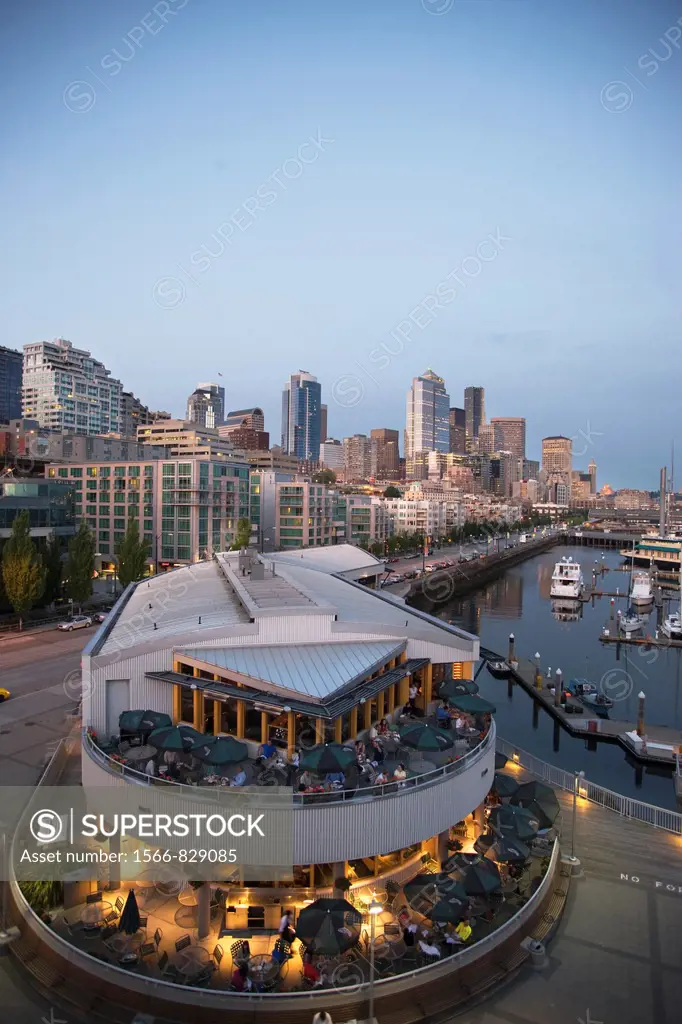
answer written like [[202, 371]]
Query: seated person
[[463, 930], [443, 719], [426, 945], [241, 982], [310, 971], [239, 779], [305, 780], [381, 778], [383, 727], [295, 759], [335, 777], [266, 751], [400, 774], [360, 750]]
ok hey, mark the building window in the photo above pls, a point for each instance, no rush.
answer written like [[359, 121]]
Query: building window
[[120, 471], [104, 535], [62, 472], [77, 473], [149, 471]]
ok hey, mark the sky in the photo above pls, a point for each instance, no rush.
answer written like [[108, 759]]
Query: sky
[[490, 188]]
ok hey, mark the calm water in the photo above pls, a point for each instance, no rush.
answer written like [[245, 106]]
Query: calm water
[[519, 603]]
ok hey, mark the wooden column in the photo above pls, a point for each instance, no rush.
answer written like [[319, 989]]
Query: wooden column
[[380, 705], [404, 690], [367, 714], [177, 704], [291, 733], [198, 710], [391, 699], [403, 657], [468, 670], [354, 722], [319, 730], [241, 719], [217, 716], [427, 686], [338, 730], [263, 726]]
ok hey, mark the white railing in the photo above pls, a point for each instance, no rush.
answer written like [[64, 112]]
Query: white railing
[[627, 807]]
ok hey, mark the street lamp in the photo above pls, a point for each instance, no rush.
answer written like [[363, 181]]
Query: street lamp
[[576, 788], [374, 909]]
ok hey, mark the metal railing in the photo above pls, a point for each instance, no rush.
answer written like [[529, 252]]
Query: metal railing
[[627, 807], [309, 799]]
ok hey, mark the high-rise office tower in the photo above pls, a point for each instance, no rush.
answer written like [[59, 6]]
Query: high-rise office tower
[[592, 472], [557, 455], [474, 411], [357, 457], [206, 405], [302, 416], [66, 389], [485, 443], [428, 417], [245, 419], [323, 423], [11, 372], [385, 454], [332, 455], [458, 436], [510, 435]]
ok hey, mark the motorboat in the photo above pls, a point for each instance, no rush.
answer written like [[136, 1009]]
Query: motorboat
[[581, 687], [567, 580], [499, 669], [597, 701], [589, 695], [631, 622], [640, 589], [672, 626]]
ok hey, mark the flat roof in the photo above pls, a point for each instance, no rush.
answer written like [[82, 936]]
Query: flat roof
[[341, 558]]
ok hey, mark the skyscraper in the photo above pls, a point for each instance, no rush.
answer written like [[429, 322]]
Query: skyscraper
[[11, 370], [428, 417], [458, 437], [357, 457], [510, 435], [474, 410], [66, 389], [323, 423], [385, 454], [592, 472], [557, 455], [485, 443], [302, 416], [206, 405]]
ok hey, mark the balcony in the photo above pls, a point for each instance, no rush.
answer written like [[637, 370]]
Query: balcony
[[335, 826]]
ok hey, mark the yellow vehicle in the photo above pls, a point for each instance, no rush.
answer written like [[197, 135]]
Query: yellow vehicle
[[4, 694]]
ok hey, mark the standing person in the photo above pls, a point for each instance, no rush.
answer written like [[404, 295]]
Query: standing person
[[322, 1018], [285, 929], [412, 693]]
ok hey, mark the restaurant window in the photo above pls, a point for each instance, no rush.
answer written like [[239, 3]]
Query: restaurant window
[[186, 704]]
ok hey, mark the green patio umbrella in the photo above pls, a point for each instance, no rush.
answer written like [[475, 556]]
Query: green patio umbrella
[[174, 737], [421, 886], [129, 921], [328, 757], [472, 704], [219, 750], [514, 821], [482, 878], [508, 850], [422, 736], [505, 785], [446, 912], [319, 926], [450, 889], [143, 721], [458, 688], [540, 800]]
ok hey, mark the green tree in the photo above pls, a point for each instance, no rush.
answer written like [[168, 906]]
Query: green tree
[[80, 565], [326, 477], [243, 535], [131, 554], [23, 575], [52, 561], [391, 492]]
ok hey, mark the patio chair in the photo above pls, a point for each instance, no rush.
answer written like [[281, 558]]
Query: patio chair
[[239, 953], [111, 917], [107, 932], [119, 904], [143, 920], [429, 863], [146, 949], [182, 943], [163, 962], [202, 980], [218, 954], [158, 936], [281, 951]]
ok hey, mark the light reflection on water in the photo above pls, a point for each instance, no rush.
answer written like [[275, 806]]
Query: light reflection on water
[[519, 603]]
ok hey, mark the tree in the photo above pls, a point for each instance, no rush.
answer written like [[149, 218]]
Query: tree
[[392, 492], [80, 565], [52, 561], [131, 554], [22, 568], [243, 535], [326, 477]]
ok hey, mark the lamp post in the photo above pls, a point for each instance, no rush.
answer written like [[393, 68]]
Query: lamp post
[[576, 788], [374, 909]]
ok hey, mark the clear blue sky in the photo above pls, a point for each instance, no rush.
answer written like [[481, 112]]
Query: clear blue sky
[[495, 116]]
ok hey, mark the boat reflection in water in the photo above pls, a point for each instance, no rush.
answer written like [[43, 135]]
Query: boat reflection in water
[[565, 610]]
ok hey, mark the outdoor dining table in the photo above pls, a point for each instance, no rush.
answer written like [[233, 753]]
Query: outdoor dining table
[[263, 970], [191, 961], [94, 913], [420, 766], [123, 944]]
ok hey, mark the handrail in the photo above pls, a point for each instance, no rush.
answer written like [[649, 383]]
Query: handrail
[[627, 807], [309, 799]]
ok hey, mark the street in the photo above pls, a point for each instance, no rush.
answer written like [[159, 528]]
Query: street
[[42, 673], [454, 552]]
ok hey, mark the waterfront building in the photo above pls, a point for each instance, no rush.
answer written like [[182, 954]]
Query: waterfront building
[[183, 439], [332, 455], [385, 456], [427, 425], [50, 505], [133, 415], [509, 434], [65, 388], [289, 511], [357, 458], [185, 509], [11, 374], [367, 520], [27, 440], [302, 416], [413, 513], [274, 458], [206, 405], [458, 438], [474, 413]]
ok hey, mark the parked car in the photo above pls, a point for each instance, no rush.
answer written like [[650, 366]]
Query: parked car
[[77, 622], [100, 616], [393, 559]]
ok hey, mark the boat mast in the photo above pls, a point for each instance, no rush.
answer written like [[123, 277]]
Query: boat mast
[[662, 518]]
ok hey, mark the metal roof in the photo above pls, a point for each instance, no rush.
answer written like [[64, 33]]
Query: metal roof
[[340, 558], [314, 670]]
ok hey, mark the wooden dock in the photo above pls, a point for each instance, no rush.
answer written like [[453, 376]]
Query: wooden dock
[[594, 727]]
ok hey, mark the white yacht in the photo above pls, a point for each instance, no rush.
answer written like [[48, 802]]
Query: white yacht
[[672, 626], [640, 589], [567, 579], [630, 623]]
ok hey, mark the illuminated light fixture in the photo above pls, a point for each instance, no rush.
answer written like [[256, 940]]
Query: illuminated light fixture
[[516, 756], [375, 907]]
